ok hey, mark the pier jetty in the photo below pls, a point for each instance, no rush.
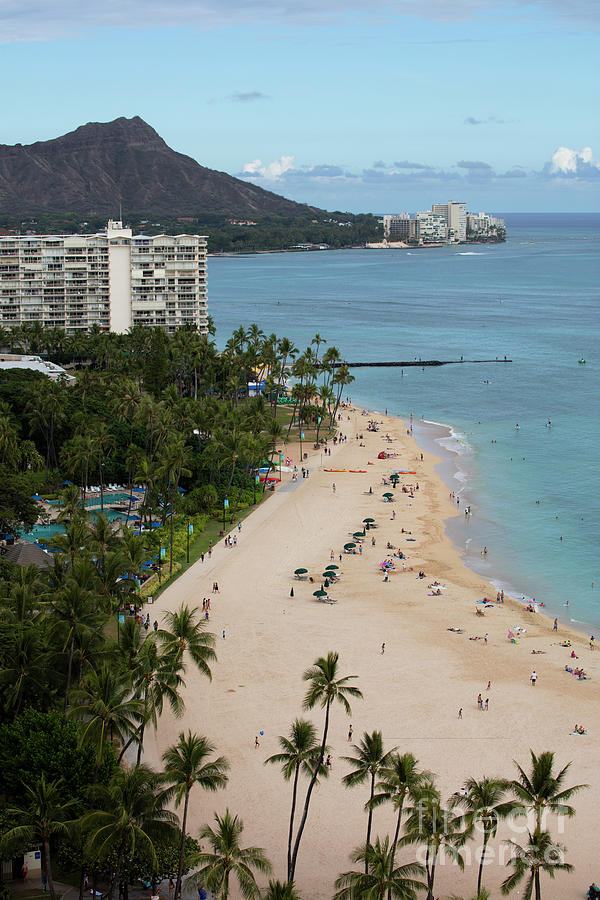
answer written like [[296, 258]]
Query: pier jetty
[[418, 362]]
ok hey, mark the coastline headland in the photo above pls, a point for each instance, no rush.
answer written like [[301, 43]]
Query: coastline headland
[[443, 646]]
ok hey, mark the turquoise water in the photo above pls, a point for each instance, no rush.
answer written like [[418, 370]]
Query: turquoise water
[[43, 533], [95, 499], [535, 299]]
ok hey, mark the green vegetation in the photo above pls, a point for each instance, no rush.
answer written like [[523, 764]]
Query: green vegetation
[[269, 232]]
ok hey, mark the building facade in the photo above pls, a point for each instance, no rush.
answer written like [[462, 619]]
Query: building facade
[[112, 279], [396, 227], [430, 228]]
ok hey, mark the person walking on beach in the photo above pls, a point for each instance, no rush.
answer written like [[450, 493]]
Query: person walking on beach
[[350, 733], [383, 648], [256, 742], [479, 701], [487, 703], [555, 626], [460, 713], [333, 487], [485, 637], [533, 678]]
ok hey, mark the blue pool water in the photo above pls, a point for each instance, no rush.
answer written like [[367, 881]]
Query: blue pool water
[[535, 299]]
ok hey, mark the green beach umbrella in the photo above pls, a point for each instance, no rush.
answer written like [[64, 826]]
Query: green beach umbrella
[[319, 593], [349, 546], [331, 567], [388, 494], [358, 534], [300, 571], [330, 575], [368, 520]]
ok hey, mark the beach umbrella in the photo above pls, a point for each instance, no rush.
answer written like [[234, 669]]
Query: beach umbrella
[[330, 575], [358, 534], [388, 495], [66, 483], [292, 592], [320, 593], [368, 520], [300, 572], [36, 497], [332, 566], [349, 546]]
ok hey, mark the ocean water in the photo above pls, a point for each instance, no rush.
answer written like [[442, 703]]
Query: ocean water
[[535, 300]]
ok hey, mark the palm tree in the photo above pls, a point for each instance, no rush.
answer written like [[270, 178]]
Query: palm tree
[[186, 764], [75, 617], [281, 890], [435, 828], [542, 790], [300, 752], [156, 678], [133, 816], [174, 460], [74, 540], [41, 818], [484, 805], [25, 672], [105, 704], [380, 877], [541, 854], [184, 635], [369, 761], [228, 858], [400, 780], [103, 441], [324, 689]]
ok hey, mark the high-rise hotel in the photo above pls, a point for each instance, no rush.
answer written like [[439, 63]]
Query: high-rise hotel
[[113, 279]]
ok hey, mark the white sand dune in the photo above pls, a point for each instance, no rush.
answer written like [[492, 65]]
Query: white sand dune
[[412, 692]]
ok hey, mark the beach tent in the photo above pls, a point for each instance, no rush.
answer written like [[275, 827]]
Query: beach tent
[[382, 455]]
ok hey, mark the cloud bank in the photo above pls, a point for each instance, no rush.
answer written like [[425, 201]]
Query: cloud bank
[[567, 169], [27, 20]]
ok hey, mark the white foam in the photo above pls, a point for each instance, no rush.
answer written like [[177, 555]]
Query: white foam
[[470, 253]]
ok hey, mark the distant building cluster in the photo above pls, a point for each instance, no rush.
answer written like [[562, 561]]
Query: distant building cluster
[[447, 223], [112, 279]]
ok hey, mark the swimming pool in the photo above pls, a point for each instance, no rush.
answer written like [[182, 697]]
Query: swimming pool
[[109, 497], [44, 533]]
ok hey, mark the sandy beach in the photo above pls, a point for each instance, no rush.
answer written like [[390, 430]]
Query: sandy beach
[[412, 692]]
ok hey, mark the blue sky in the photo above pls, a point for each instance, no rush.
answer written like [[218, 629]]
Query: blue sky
[[368, 107]]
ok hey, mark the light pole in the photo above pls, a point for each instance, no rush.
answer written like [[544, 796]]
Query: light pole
[[187, 552], [225, 507]]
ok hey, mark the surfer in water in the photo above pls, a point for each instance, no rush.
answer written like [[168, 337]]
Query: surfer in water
[[549, 424], [516, 426]]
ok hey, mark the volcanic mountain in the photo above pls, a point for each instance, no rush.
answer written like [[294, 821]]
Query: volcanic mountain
[[97, 167]]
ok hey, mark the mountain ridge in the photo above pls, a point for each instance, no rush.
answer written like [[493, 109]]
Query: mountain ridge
[[101, 165]]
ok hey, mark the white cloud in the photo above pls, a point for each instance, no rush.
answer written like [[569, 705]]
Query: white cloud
[[271, 171], [572, 162]]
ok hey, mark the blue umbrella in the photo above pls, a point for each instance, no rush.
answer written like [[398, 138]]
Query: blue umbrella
[[182, 490], [156, 525], [36, 497], [66, 483]]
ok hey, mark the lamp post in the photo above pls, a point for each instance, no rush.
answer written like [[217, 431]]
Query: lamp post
[[187, 552], [301, 439], [225, 507]]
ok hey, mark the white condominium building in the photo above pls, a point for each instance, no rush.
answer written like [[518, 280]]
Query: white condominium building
[[455, 215], [112, 279], [430, 228]]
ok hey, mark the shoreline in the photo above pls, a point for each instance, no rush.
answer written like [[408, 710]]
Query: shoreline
[[412, 693]]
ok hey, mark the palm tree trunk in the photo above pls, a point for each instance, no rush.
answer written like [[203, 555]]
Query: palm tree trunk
[[538, 888], [182, 848], [292, 816], [101, 486], [311, 785], [115, 878], [370, 820], [48, 868], [394, 845], [486, 838], [68, 685], [140, 743], [431, 875]]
